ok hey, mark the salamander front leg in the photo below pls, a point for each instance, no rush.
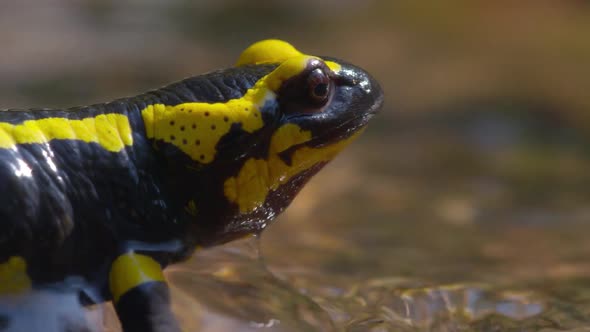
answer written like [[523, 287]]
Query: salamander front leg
[[140, 294]]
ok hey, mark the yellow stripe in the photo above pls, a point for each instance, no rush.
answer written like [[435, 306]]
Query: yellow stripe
[[13, 276], [111, 131], [131, 270]]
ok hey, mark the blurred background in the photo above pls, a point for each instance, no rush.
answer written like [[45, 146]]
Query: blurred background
[[464, 207]]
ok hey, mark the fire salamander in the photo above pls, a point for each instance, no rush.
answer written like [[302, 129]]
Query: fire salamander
[[112, 193]]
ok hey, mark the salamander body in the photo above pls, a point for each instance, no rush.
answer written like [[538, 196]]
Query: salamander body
[[113, 193]]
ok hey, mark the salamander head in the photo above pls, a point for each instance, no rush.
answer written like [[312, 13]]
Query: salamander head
[[315, 108], [277, 118]]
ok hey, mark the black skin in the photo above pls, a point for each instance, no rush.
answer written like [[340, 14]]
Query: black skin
[[76, 218]]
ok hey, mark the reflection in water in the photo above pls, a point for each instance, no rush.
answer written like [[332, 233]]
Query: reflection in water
[[232, 282], [440, 306], [48, 310]]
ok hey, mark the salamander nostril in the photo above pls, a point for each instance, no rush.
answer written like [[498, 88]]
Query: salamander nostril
[[346, 80]]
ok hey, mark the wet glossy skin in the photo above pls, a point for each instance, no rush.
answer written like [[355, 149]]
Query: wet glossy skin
[[194, 164]]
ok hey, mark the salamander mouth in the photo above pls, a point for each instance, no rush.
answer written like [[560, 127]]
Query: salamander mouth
[[339, 133]]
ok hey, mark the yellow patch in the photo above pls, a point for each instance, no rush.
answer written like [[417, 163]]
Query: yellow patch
[[13, 276], [258, 177], [273, 51], [196, 128], [131, 270], [267, 51], [111, 131]]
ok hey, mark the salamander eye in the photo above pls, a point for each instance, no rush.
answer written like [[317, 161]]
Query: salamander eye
[[308, 92], [319, 86]]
